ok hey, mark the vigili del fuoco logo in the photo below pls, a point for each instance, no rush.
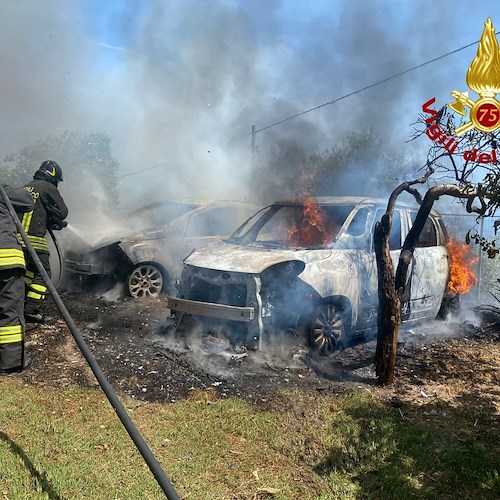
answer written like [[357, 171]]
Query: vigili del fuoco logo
[[483, 77]]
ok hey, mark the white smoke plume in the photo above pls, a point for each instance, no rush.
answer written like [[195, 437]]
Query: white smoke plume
[[180, 83]]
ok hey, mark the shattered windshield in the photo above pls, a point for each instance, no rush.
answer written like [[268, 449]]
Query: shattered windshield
[[307, 225]]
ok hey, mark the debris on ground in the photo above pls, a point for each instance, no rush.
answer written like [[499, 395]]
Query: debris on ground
[[441, 363]]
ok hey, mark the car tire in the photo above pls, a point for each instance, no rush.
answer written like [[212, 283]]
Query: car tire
[[450, 305], [327, 329], [147, 280]]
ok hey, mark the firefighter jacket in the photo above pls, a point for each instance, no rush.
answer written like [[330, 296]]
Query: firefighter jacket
[[49, 210], [11, 254]]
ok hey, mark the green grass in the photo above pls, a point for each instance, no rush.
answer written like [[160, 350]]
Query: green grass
[[70, 444]]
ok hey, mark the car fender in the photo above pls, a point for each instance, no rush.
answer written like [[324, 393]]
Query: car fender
[[169, 256], [336, 276]]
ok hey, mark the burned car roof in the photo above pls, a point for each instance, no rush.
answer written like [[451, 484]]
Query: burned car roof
[[347, 200], [149, 221]]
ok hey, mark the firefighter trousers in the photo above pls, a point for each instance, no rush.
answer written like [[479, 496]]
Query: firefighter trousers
[[11, 319], [35, 285]]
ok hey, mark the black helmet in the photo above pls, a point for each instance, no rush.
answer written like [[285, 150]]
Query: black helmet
[[50, 171]]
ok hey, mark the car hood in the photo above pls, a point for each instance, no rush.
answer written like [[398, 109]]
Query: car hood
[[129, 237], [223, 256]]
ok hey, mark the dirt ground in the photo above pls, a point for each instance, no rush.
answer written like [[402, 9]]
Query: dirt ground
[[449, 362]]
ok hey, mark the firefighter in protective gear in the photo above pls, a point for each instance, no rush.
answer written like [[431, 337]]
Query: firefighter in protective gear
[[12, 269], [50, 211]]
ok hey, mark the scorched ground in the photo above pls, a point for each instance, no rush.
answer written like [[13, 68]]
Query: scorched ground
[[461, 366]]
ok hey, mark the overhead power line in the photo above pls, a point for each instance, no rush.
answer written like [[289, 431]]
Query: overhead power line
[[380, 82], [143, 169], [368, 86]]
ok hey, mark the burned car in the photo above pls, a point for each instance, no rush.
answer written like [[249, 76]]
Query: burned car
[[150, 259], [307, 268]]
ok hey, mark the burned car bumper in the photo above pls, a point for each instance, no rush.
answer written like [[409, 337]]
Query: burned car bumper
[[232, 313], [226, 302], [244, 307], [101, 262], [88, 269]]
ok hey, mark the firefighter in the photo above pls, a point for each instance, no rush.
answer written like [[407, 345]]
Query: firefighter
[[49, 212], [12, 269]]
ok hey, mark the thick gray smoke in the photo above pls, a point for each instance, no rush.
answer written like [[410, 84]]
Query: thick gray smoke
[[41, 71], [179, 84]]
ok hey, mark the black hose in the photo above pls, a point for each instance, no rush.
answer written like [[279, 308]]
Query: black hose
[[136, 437], [59, 256]]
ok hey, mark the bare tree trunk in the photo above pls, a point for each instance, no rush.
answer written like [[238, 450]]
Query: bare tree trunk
[[391, 285], [389, 310]]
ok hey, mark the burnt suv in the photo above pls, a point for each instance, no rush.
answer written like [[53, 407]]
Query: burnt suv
[[308, 268]]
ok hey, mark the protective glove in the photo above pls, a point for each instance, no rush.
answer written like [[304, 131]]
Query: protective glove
[[57, 226]]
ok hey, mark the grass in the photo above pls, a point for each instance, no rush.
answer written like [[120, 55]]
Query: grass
[[69, 444]]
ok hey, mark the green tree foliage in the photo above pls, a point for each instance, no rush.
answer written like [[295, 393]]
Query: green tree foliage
[[80, 155], [290, 172], [281, 173]]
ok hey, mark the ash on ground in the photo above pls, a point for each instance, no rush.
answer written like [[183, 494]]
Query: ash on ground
[[137, 362]]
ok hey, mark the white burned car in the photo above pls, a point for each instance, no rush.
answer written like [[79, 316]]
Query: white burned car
[[309, 268], [148, 254]]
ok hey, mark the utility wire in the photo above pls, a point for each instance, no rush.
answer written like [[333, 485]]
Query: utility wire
[[369, 86], [338, 98], [143, 169]]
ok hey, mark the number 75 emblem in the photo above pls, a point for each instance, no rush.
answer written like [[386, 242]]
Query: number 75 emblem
[[483, 77]]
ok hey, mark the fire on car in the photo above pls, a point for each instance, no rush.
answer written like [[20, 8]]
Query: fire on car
[[307, 268]]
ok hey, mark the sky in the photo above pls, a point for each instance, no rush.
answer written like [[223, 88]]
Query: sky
[[179, 83]]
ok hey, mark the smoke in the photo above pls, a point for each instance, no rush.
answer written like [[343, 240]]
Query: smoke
[[41, 70], [115, 294], [462, 322], [181, 83], [213, 354]]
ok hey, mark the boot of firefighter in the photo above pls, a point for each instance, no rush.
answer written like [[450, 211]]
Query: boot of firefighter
[[33, 311]]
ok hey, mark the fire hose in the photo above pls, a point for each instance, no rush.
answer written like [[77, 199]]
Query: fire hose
[[59, 258], [126, 421]]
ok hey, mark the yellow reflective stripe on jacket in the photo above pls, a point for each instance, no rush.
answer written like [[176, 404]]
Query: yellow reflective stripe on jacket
[[38, 242], [26, 222], [10, 334], [10, 257]]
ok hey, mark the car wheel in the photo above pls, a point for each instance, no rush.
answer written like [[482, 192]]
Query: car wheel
[[327, 330], [450, 305], [146, 280]]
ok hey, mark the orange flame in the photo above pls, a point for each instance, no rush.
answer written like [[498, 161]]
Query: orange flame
[[314, 229], [462, 276]]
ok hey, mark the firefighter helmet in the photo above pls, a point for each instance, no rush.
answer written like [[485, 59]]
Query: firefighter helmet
[[51, 171]]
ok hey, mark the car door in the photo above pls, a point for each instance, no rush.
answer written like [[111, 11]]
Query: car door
[[368, 306], [429, 273]]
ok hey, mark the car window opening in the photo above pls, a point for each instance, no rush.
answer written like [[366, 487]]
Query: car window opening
[[315, 227], [306, 225]]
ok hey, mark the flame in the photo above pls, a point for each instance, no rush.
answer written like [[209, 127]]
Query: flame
[[483, 75], [462, 276], [314, 230]]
